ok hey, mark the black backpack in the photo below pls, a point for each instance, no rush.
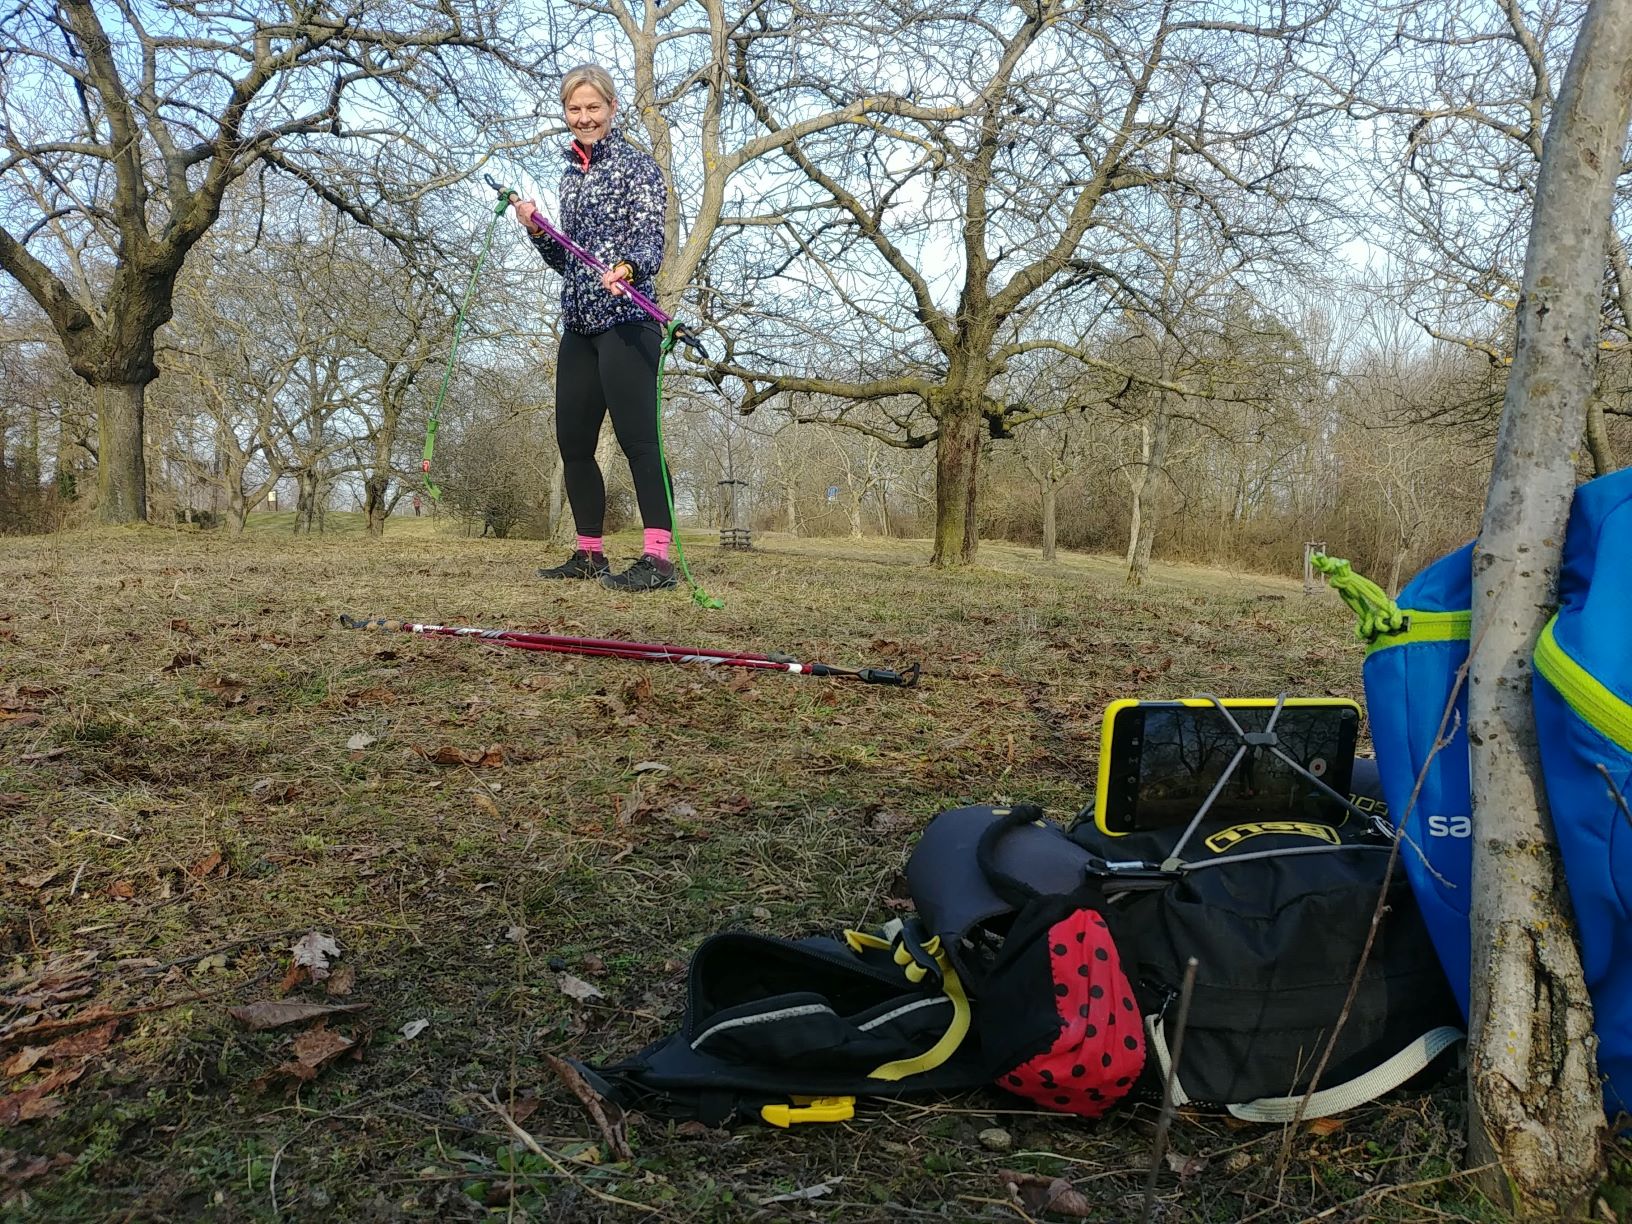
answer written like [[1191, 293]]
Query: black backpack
[[1276, 915], [786, 1031]]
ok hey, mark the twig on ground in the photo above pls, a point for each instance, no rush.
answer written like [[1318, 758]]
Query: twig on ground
[[532, 1146], [101, 1015], [611, 1127], [994, 1202], [1165, 1121]]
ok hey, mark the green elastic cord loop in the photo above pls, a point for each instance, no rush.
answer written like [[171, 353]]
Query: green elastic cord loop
[[1375, 613], [699, 596], [447, 373]]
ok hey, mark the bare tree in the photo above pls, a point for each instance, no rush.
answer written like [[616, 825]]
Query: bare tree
[[960, 249], [1052, 451], [1538, 1106], [1463, 102], [121, 142]]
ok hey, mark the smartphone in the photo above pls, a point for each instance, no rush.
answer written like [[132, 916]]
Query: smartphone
[[1159, 760]]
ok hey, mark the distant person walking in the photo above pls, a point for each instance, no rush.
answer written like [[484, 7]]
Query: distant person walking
[[612, 203]]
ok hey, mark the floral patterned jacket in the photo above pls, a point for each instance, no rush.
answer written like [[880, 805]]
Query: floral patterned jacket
[[612, 201]]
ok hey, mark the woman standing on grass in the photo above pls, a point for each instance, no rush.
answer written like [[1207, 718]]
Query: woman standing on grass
[[612, 202]]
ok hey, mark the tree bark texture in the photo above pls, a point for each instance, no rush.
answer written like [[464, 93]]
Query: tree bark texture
[[1598, 443], [957, 471], [1147, 496], [1538, 1110], [1050, 524], [121, 470]]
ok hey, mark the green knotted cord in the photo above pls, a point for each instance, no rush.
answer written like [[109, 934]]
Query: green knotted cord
[[699, 596], [1375, 613]]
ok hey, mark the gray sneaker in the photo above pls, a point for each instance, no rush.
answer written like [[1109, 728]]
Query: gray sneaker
[[647, 574], [581, 564]]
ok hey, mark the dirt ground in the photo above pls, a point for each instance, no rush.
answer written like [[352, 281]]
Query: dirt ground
[[513, 855]]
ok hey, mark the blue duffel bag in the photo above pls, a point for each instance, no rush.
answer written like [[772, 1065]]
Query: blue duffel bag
[[1583, 703], [1417, 647], [1415, 651]]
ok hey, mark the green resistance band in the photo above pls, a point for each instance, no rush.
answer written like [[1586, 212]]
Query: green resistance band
[[447, 374], [698, 596]]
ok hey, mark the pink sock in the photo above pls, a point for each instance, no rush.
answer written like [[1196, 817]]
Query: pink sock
[[591, 544], [657, 542]]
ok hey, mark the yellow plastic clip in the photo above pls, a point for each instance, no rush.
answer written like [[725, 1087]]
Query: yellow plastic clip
[[810, 1109]]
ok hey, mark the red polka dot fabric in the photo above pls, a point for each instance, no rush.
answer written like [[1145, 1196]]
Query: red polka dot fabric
[[1100, 1049]]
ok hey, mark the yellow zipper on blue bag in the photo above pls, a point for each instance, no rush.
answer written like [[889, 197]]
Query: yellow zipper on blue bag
[[1426, 627], [1582, 691]]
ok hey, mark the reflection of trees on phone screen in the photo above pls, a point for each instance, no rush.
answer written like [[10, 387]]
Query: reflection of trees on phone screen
[[1185, 750]]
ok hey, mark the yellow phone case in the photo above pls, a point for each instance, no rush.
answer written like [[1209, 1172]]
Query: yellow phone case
[[1108, 723]]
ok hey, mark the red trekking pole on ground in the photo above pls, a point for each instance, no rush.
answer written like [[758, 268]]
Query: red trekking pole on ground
[[650, 652]]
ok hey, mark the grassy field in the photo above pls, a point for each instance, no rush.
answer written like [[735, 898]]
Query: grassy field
[[198, 766]]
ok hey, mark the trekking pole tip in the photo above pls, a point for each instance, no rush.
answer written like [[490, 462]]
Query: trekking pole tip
[[906, 678]]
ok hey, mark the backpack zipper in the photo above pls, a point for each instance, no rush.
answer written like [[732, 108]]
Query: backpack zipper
[[1582, 691], [1426, 627]]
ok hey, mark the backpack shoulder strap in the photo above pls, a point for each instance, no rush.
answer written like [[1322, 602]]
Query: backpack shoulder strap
[[1384, 1077]]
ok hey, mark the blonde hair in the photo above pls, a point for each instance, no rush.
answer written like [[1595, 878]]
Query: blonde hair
[[593, 75]]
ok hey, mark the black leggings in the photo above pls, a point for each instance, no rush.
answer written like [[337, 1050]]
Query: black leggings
[[614, 370]]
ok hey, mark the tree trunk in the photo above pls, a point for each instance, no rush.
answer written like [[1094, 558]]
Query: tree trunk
[[884, 509], [237, 507], [790, 503], [374, 503], [1537, 1103], [1049, 535], [1147, 495], [957, 471], [305, 500], [1598, 443], [853, 513], [558, 492], [121, 466]]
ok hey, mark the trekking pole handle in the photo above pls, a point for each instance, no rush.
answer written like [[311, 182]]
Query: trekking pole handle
[[681, 332]]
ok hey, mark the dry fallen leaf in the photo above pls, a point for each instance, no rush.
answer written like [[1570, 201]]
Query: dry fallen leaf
[[479, 758], [36, 1101], [413, 1029], [275, 1013], [483, 803], [228, 688], [1185, 1165], [1038, 1193], [205, 865], [1325, 1126], [340, 983], [360, 741], [314, 1050], [121, 890], [23, 1061], [314, 950], [577, 988], [184, 659]]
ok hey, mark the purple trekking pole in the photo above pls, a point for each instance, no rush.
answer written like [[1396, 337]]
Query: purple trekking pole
[[666, 320]]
